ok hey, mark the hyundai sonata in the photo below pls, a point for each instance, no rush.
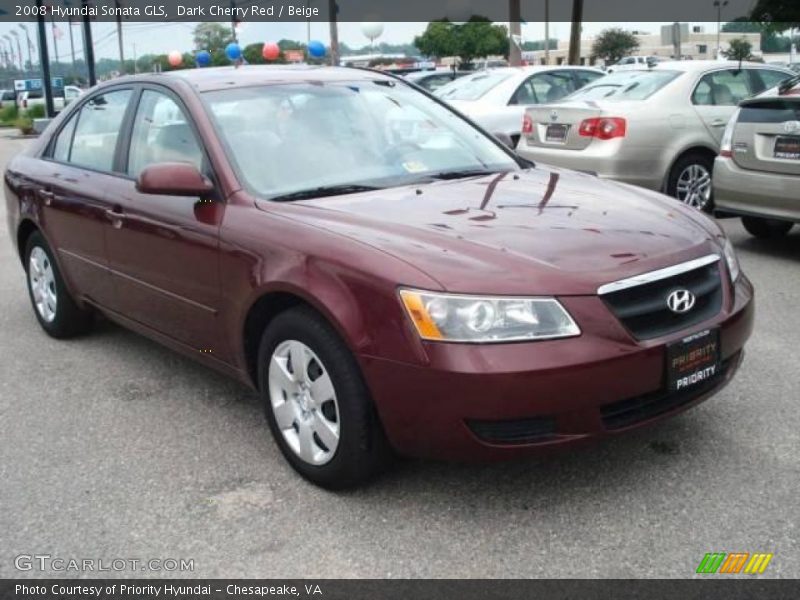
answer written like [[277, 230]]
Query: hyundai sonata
[[387, 275]]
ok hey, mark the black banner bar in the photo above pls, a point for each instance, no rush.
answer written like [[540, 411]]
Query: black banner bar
[[727, 587]]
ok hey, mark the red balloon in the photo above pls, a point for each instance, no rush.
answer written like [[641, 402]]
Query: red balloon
[[270, 51], [175, 58]]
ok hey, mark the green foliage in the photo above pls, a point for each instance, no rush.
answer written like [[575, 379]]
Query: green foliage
[[25, 124], [9, 114], [613, 44], [771, 41], [740, 49], [476, 38], [777, 15], [37, 111], [212, 36]]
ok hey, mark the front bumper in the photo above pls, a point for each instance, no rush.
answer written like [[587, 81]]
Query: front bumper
[[756, 193], [547, 393]]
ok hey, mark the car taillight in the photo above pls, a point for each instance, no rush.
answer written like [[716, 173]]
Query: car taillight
[[24, 104], [726, 145], [603, 128], [527, 125]]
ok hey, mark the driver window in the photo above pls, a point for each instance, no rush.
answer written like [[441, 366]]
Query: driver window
[[161, 133]]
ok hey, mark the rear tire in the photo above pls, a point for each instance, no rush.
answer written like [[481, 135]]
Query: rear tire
[[332, 438], [57, 312], [766, 228], [690, 181]]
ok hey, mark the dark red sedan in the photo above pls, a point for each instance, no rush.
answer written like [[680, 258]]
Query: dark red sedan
[[385, 273]]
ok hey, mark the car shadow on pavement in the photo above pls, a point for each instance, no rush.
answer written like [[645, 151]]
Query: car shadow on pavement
[[787, 247]]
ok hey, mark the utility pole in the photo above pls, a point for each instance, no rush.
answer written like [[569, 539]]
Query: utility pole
[[575, 33], [47, 83], [88, 45], [119, 39], [676, 40], [308, 25], [134, 58], [233, 21], [334, 25], [719, 5], [547, 32], [515, 33], [71, 42], [53, 30]]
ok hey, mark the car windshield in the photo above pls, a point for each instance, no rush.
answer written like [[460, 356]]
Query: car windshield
[[625, 85], [287, 140], [472, 87]]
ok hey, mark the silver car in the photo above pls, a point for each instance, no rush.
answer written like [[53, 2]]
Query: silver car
[[658, 128], [757, 172], [496, 98]]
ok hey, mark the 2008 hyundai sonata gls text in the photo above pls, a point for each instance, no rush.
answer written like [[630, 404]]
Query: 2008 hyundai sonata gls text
[[386, 274]]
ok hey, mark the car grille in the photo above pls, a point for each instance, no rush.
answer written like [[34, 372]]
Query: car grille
[[518, 431], [640, 303], [625, 413]]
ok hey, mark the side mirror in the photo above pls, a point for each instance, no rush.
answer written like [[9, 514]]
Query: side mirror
[[505, 139], [173, 179]]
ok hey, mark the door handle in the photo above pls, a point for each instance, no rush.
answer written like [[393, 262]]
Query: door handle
[[718, 123], [116, 216], [46, 196]]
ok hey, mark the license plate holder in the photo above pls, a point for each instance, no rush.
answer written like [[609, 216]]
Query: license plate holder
[[556, 132], [787, 147], [693, 360]]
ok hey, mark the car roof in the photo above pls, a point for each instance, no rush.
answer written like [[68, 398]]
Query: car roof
[[217, 78], [710, 65]]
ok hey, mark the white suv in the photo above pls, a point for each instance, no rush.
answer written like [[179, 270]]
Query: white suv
[[630, 63]]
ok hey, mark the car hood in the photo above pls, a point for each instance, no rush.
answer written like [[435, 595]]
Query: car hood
[[540, 231]]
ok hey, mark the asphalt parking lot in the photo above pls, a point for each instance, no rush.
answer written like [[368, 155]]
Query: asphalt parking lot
[[113, 447]]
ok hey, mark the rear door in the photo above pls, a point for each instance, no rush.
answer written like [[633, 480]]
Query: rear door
[[767, 135], [163, 250], [74, 174], [716, 95]]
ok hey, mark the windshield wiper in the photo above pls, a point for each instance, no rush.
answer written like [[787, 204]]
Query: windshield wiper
[[326, 190], [461, 174]]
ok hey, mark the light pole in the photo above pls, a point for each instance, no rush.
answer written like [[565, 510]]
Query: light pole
[[719, 5], [19, 51], [28, 40], [11, 48]]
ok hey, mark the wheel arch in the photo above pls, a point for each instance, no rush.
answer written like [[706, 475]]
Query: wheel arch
[[24, 231]]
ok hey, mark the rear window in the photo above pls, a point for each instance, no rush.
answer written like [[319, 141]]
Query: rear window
[[472, 87], [776, 111], [626, 85]]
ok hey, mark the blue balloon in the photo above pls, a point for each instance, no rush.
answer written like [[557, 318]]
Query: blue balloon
[[203, 58], [316, 49], [233, 51]]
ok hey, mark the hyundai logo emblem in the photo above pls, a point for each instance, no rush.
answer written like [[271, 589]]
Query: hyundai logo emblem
[[791, 126], [681, 301], [553, 115]]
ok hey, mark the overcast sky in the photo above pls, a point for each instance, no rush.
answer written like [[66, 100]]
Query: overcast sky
[[158, 38]]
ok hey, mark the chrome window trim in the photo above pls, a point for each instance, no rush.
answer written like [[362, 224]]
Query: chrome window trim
[[644, 278]]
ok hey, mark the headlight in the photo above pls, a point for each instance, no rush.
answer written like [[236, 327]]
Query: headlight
[[456, 318], [730, 258]]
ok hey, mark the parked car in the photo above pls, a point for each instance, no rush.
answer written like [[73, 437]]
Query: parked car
[[634, 63], [438, 297], [433, 80], [496, 98], [61, 97], [658, 128], [7, 98], [757, 172]]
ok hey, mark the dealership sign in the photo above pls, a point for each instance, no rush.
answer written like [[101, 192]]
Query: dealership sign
[[28, 85]]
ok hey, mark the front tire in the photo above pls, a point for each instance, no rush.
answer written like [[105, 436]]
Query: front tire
[[766, 228], [317, 405], [57, 312], [690, 181]]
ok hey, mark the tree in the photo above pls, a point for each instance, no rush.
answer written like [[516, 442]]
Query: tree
[[770, 40], [613, 44], [438, 39], [212, 36], [740, 49], [476, 38], [777, 15]]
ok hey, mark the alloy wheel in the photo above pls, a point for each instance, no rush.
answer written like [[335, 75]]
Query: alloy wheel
[[303, 401], [43, 284], [694, 186]]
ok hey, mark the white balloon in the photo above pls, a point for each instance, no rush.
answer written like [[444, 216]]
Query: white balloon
[[372, 30]]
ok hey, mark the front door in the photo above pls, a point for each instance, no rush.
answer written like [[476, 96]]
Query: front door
[[715, 98], [163, 250]]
